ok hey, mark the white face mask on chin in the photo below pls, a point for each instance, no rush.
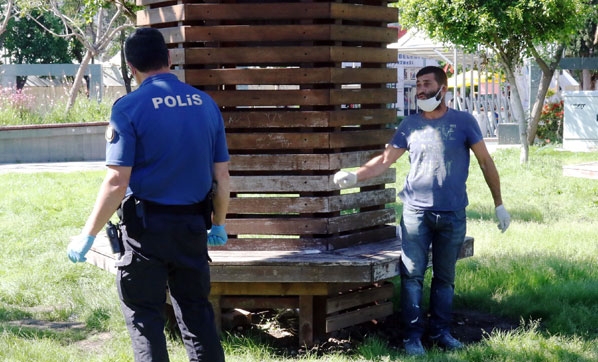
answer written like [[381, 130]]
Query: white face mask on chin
[[430, 104]]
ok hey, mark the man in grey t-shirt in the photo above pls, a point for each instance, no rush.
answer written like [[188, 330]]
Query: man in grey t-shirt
[[434, 198]]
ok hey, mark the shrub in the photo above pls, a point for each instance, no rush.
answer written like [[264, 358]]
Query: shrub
[[550, 125], [17, 107]]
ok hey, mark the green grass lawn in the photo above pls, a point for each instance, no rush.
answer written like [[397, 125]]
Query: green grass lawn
[[542, 271]]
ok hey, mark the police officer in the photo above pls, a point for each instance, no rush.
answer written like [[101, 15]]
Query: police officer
[[168, 177]]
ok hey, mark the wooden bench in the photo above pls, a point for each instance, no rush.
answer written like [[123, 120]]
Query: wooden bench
[[331, 289]]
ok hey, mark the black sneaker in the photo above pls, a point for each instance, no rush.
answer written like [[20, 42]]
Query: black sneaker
[[446, 341], [413, 347]]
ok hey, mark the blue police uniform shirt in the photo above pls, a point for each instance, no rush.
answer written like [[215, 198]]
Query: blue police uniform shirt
[[171, 134], [439, 157]]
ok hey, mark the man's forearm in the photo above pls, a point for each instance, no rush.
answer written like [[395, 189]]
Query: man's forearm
[[221, 201], [109, 197]]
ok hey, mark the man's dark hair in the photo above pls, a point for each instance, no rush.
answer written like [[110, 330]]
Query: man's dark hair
[[438, 72], [146, 50]]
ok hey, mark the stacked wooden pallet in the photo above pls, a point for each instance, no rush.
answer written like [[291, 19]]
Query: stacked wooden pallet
[[303, 87], [304, 91]]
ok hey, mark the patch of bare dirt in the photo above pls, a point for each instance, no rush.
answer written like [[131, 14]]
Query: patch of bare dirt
[[279, 331]]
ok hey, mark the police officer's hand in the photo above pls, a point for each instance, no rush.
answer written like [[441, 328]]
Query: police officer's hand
[[345, 179], [217, 235], [504, 219], [78, 247]]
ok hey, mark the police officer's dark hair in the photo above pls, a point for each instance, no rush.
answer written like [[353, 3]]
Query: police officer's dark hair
[[438, 72], [146, 50]]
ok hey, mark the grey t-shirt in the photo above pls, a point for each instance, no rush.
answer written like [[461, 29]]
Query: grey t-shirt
[[439, 157]]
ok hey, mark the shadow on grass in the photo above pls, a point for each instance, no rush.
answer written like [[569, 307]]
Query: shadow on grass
[[24, 325], [559, 292]]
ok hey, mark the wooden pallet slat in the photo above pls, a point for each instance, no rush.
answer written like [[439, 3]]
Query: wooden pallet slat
[[265, 11], [311, 140], [289, 76], [290, 55], [299, 161], [282, 118], [278, 33], [354, 298], [308, 226], [297, 205], [293, 183], [302, 97], [365, 314]]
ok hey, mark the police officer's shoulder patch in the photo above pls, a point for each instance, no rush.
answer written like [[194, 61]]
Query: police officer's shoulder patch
[[110, 133]]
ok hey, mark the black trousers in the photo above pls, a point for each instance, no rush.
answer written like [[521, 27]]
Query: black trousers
[[170, 251]]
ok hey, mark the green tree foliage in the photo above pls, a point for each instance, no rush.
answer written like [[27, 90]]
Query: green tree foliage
[[26, 42], [6, 13], [512, 30], [93, 23]]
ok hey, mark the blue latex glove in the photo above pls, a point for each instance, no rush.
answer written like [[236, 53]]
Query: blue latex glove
[[78, 247], [217, 235]]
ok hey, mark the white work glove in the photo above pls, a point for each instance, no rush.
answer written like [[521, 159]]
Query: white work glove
[[504, 219], [345, 179]]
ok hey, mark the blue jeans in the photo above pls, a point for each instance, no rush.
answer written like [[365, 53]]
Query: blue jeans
[[445, 232]]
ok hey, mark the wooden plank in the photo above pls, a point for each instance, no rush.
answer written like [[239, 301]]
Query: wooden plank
[[290, 76], [356, 12], [272, 288], [358, 297], [324, 204], [290, 162], [280, 118], [273, 243], [292, 183], [288, 55], [278, 33], [303, 97], [254, 302], [361, 220], [360, 138], [277, 141], [363, 96], [306, 319], [309, 140], [309, 226], [309, 244], [265, 11], [362, 117], [300, 161], [362, 236], [292, 273], [336, 322]]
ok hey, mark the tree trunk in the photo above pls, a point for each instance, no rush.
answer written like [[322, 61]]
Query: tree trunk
[[74, 91], [518, 114], [586, 79], [538, 105]]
